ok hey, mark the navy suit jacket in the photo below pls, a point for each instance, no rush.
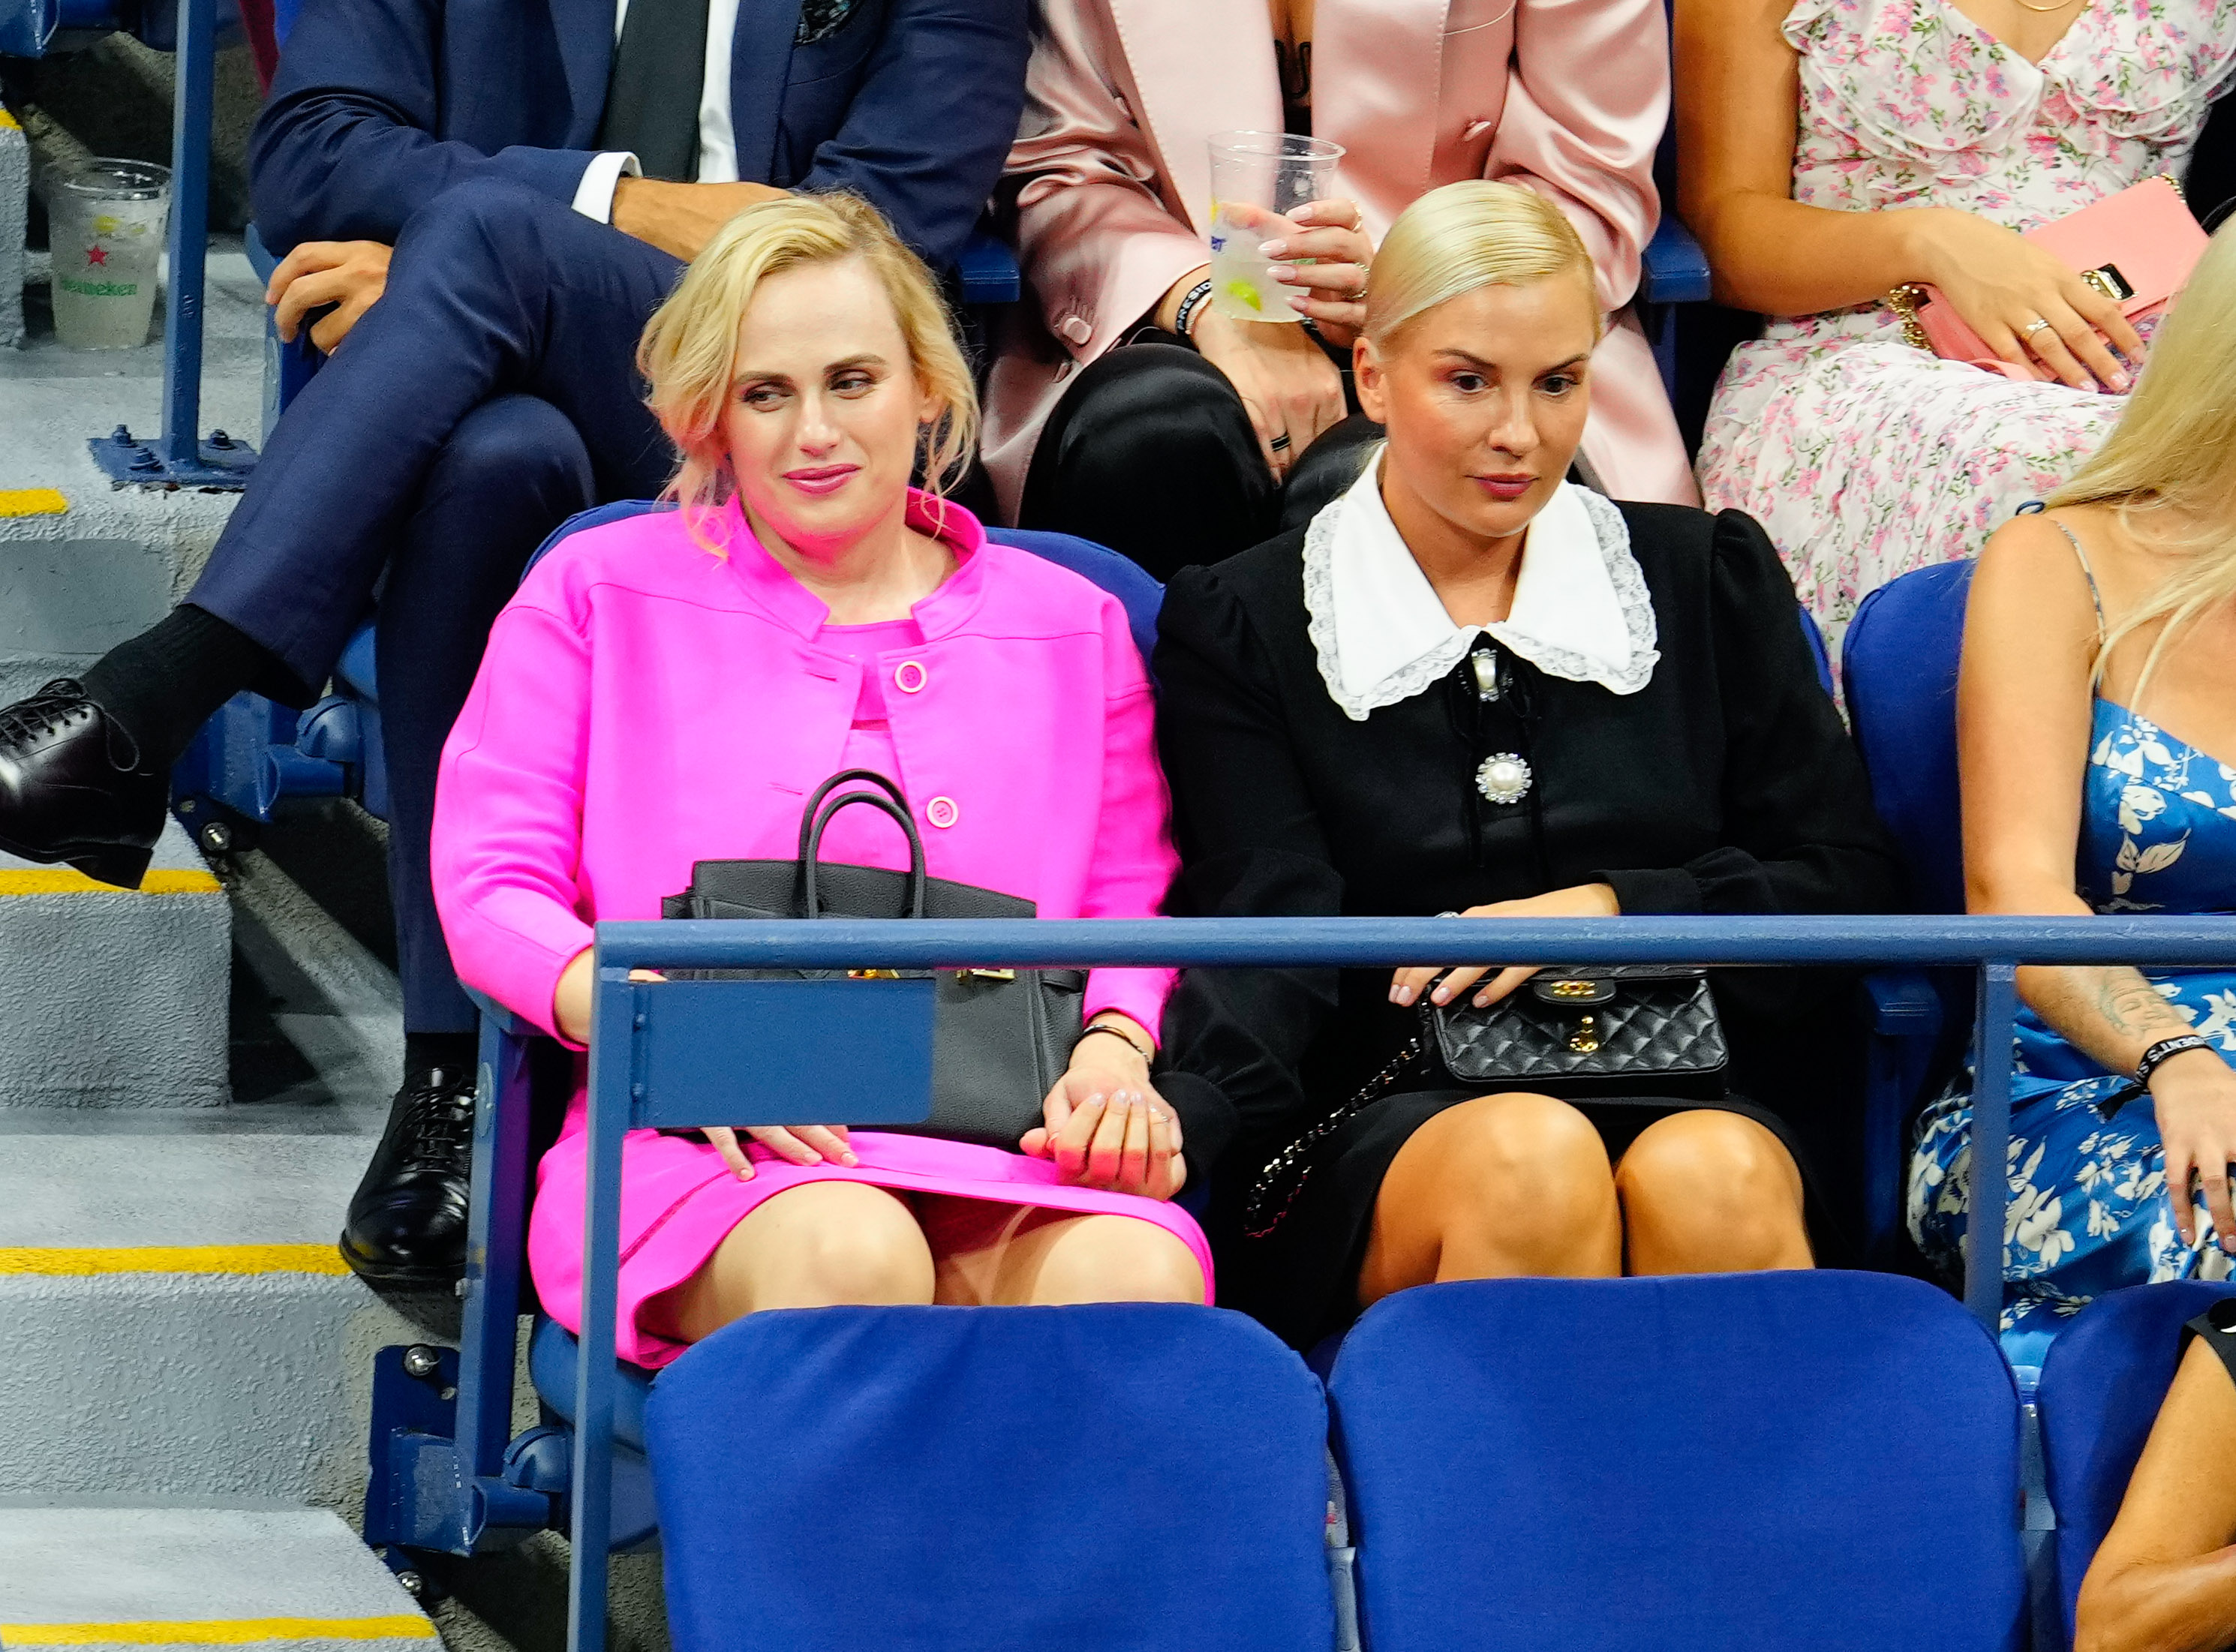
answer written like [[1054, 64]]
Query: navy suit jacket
[[381, 105]]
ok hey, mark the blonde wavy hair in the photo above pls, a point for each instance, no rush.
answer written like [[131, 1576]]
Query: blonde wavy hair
[[1465, 236], [689, 353], [2172, 455]]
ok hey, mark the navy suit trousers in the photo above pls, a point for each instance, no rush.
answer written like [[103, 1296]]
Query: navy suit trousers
[[490, 393]]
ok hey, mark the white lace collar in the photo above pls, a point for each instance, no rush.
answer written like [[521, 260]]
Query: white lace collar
[[1580, 609]]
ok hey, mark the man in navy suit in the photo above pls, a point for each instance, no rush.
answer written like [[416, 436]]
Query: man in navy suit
[[481, 201]]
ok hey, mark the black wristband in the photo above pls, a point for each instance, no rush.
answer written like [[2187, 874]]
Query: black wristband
[[2158, 1055], [1190, 303], [1116, 1032]]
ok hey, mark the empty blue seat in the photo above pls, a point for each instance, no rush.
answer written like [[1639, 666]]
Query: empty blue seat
[[1899, 665], [1898, 669], [2100, 1388], [1778, 1461], [1004, 1479]]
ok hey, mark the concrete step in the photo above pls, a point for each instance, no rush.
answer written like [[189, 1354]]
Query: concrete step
[[180, 1324], [155, 1578], [114, 999]]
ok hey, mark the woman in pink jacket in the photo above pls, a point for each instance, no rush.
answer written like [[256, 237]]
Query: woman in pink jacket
[[670, 689], [1178, 448]]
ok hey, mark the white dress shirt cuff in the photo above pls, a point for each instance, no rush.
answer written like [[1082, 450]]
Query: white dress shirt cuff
[[593, 196]]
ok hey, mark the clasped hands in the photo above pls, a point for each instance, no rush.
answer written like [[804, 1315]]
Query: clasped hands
[[1581, 900]]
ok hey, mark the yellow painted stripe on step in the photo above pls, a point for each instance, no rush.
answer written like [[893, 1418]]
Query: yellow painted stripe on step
[[66, 880], [233, 1631], [170, 1259], [31, 501], [8, 120]]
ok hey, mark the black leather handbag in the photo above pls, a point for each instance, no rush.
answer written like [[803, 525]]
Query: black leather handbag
[[1001, 1038], [1622, 1029]]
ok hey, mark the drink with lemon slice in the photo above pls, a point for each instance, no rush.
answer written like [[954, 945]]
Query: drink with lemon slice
[[1254, 173]]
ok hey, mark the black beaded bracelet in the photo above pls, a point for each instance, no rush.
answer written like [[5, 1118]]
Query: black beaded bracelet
[[2158, 1055], [1189, 305], [1119, 1033]]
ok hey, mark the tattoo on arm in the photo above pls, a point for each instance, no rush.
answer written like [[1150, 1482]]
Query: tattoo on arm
[[2132, 1007]]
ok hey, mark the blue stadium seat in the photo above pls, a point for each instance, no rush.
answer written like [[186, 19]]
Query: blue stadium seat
[[2100, 1389], [1898, 663], [1899, 669], [1009, 1480], [1736, 1461]]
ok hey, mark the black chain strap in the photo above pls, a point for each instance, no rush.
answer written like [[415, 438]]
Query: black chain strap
[[1255, 1221]]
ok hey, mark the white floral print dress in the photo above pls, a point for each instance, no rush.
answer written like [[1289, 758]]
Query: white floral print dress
[[2088, 1210], [1862, 456]]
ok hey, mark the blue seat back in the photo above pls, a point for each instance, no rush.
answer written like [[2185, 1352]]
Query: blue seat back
[[1009, 1480], [1134, 588], [1898, 666], [1738, 1461], [2100, 1388]]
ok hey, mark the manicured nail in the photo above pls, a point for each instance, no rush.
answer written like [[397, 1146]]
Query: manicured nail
[[2119, 382], [1442, 995], [848, 1159], [1301, 305], [1273, 248], [1483, 1000]]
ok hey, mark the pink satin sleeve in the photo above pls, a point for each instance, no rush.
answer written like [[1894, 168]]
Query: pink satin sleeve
[[1097, 242], [1584, 112]]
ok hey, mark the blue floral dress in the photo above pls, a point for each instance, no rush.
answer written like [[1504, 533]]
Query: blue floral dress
[[2089, 1211]]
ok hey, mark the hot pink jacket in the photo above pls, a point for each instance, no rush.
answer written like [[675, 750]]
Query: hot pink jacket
[[1113, 173], [645, 704]]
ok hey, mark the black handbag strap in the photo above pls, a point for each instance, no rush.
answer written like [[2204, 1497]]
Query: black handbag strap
[[822, 808]]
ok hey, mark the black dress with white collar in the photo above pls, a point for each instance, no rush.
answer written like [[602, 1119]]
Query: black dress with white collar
[[1726, 784]]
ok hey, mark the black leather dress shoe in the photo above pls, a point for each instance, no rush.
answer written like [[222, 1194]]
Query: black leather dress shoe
[[407, 1221], [71, 787]]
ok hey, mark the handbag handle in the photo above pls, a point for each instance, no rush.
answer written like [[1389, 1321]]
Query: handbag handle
[[819, 814]]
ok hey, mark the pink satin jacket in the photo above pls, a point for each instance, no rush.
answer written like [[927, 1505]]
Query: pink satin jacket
[[646, 704], [1112, 176]]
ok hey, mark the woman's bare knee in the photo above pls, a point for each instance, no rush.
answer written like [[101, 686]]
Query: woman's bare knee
[[1710, 1191], [1512, 1184], [1114, 1259], [821, 1244]]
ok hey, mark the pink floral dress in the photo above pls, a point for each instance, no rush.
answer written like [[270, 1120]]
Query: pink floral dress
[[1864, 456]]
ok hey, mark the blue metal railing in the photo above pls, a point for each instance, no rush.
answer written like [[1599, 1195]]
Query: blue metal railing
[[673, 1054]]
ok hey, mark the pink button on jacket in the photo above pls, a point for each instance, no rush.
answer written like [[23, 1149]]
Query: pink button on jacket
[[646, 704]]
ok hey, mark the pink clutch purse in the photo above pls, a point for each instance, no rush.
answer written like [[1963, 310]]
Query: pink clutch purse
[[2137, 248]]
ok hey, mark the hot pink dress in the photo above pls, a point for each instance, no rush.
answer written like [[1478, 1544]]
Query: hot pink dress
[[646, 704]]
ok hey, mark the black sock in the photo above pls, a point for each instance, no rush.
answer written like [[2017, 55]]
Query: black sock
[[452, 1053], [163, 684]]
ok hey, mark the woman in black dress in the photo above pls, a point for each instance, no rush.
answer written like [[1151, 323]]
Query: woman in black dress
[[1469, 687]]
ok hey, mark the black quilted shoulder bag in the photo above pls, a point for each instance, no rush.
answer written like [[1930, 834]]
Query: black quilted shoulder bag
[[1623, 1030], [1001, 1038]]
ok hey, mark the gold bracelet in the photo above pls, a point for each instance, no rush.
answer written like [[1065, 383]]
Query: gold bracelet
[[1903, 301]]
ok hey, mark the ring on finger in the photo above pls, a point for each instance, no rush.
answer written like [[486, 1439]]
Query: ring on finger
[[1280, 443], [2033, 327]]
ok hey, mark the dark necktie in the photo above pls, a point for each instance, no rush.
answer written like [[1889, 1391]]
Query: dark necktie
[[652, 104]]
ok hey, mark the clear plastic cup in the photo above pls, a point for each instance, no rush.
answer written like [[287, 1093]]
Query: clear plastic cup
[[105, 220], [1279, 172]]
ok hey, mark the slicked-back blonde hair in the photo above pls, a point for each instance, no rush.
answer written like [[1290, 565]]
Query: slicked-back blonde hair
[[2173, 457], [689, 353], [1469, 234]]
